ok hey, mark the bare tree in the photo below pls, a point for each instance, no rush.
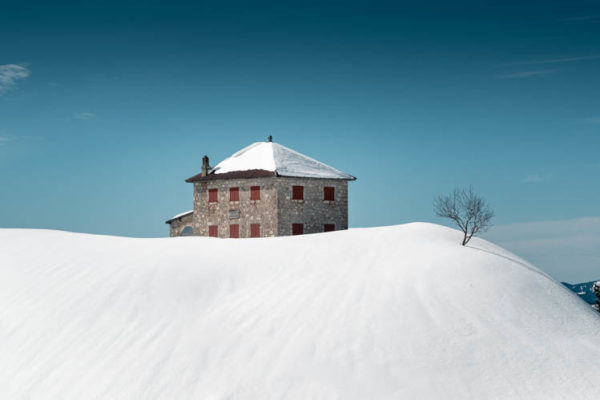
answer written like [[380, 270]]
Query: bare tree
[[469, 210]]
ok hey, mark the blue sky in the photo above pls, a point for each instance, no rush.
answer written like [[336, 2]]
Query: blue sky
[[106, 107]]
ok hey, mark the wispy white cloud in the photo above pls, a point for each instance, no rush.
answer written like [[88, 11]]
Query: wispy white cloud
[[10, 74], [568, 250], [534, 178], [84, 115], [592, 120], [526, 74], [582, 18], [560, 60], [3, 140]]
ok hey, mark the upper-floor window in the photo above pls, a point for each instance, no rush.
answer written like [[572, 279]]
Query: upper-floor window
[[297, 192], [213, 231], [234, 194], [329, 193], [213, 195], [254, 192], [254, 230]]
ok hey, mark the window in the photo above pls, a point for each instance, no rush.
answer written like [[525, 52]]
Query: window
[[254, 230], [329, 228], [213, 231], [234, 231], [187, 231], [297, 229], [297, 192], [234, 194], [254, 192], [213, 195], [329, 193]]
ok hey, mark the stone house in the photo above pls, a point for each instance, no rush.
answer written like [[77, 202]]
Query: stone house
[[264, 190]]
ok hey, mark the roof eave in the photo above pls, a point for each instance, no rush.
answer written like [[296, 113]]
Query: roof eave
[[249, 174], [257, 173], [179, 217]]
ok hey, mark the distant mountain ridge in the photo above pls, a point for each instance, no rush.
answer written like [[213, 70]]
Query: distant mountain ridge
[[583, 290]]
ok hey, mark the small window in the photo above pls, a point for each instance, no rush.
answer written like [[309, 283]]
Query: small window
[[234, 194], [329, 193], [234, 231], [329, 228], [297, 192], [254, 230], [254, 192], [213, 195], [213, 231], [297, 229], [187, 231]]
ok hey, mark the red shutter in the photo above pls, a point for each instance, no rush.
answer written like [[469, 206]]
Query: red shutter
[[234, 194], [329, 193], [234, 231], [213, 231], [297, 229], [254, 192], [254, 230], [297, 192], [329, 228], [213, 195]]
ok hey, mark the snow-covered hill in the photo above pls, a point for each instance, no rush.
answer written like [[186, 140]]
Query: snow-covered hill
[[401, 312]]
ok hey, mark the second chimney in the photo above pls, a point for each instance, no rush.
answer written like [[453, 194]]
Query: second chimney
[[205, 166]]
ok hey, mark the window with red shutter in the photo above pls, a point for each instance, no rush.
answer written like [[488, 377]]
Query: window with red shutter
[[329, 227], [213, 195], [254, 230], [297, 192], [254, 192], [329, 193], [234, 194], [234, 231], [213, 231], [297, 229]]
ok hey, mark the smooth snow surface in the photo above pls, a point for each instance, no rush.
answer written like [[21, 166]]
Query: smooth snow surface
[[401, 312], [271, 156]]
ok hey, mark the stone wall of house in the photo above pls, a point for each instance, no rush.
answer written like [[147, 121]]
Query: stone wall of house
[[177, 226], [276, 211], [313, 212], [243, 212]]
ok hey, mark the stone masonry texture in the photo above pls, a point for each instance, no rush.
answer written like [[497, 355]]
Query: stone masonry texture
[[276, 211], [177, 226]]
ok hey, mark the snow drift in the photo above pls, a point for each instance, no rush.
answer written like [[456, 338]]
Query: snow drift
[[400, 312]]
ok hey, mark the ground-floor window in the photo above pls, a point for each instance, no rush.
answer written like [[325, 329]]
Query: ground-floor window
[[254, 230], [213, 231], [297, 229], [187, 231], [329, 227], [234, 231]]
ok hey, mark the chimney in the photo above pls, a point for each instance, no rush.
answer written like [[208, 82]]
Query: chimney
[[205, 166], [270, 139]]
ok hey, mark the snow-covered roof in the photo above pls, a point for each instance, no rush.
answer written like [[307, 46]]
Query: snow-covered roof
[[183, 214], [283, 161]]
